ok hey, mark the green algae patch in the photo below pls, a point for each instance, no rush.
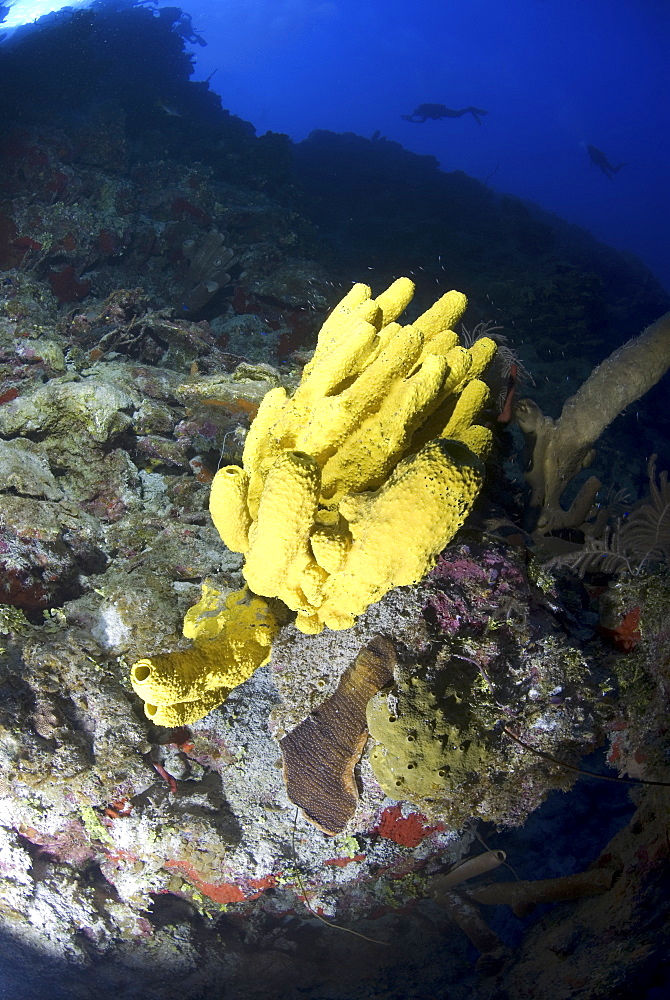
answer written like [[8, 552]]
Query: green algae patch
[[93, 826]]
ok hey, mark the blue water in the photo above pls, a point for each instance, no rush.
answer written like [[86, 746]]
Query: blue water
[[553, 75]]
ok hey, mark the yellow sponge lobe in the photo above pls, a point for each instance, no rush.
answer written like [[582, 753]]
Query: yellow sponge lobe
[[228, 507], [232, 638], [399, 530]]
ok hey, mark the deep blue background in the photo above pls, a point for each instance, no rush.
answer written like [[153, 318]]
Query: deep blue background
[[554, 75]]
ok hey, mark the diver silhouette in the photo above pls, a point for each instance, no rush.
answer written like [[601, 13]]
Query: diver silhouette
[[598, 158], [435, 111], [182, 23]]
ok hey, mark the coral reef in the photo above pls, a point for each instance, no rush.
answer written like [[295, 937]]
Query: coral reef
[[169, 861]]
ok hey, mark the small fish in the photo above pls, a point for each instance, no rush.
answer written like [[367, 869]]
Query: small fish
[[169, 109]]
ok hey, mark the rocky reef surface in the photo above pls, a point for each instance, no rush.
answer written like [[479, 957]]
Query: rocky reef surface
[[164, 863]]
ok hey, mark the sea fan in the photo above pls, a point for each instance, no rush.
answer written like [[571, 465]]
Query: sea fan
[[635, 541], [646, 532]]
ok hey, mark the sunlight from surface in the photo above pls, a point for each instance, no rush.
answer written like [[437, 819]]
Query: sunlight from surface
[[25, 11]]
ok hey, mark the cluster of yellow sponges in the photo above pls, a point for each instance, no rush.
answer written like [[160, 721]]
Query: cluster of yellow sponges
[[348, 488], [351, 486], [232, 636]]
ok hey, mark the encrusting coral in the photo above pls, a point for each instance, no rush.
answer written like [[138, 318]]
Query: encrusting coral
[[378, 443]]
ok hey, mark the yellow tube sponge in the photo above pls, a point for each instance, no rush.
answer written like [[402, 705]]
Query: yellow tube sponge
[[478, 439], [279, 549], [330, 545], [342, 361], [334, 418], [335, 470], [399, 530], [228, 507], [171, 684], [481, 353], [232, 637], [261, 448], [348, 488], [365, 459], [443, 314], [468, 405], [441, 344], [395, 299], [356, 303]]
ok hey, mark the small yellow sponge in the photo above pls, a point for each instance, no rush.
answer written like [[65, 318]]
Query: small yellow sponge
[[232, 637]]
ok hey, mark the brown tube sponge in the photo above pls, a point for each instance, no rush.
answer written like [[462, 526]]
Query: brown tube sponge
[[464, 870], [559, 449], [464, 913], [523, 897]]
